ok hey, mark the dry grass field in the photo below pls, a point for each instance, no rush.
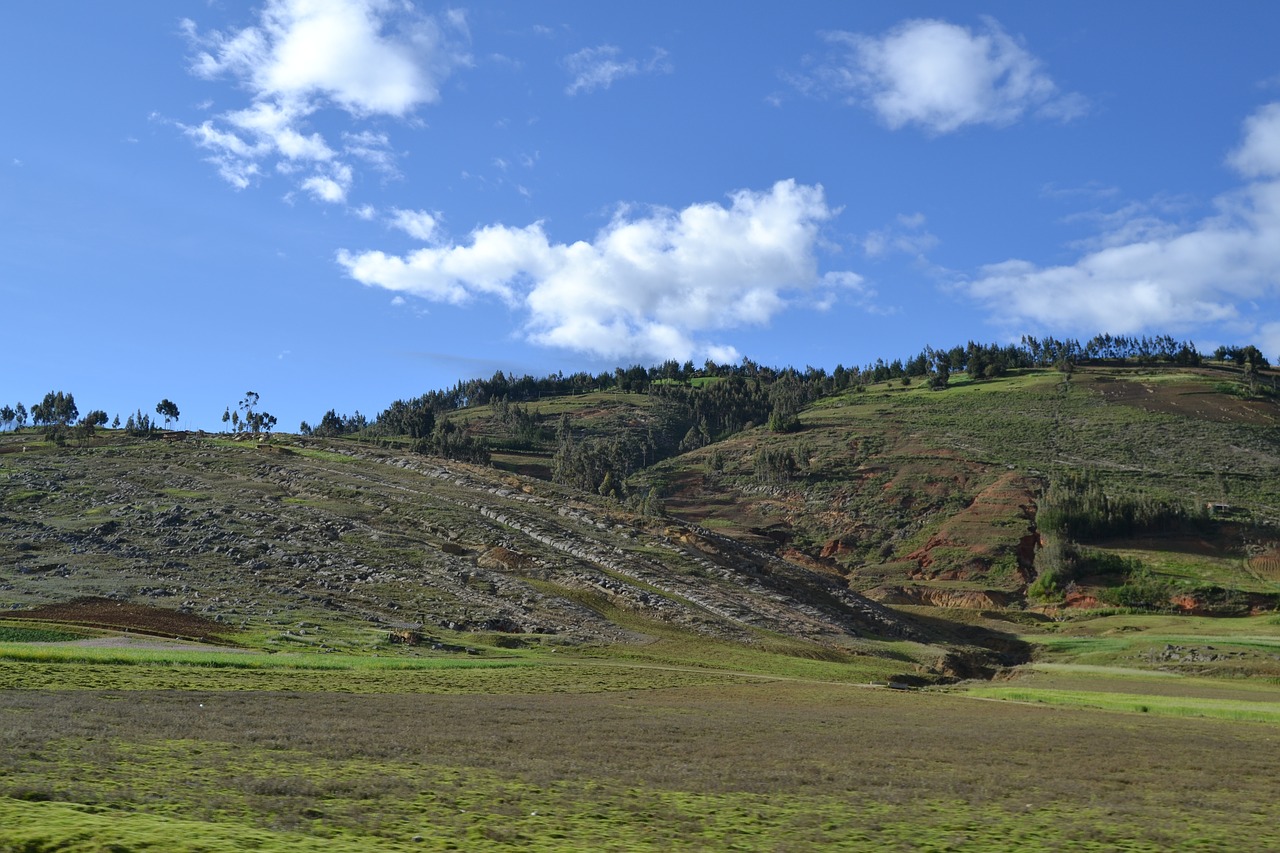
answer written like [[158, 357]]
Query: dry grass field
[[777, 765]]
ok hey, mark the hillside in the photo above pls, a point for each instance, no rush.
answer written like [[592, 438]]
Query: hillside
[[331, 545], [917, 496], [933, 497], [794, 541]]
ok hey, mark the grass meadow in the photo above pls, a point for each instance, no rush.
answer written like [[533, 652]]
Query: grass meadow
[[128, 749]]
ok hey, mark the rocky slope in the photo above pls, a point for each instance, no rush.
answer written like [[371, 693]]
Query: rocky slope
[[296, 535]]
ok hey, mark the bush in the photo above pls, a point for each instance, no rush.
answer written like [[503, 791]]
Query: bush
[[1046, 588], [1142, 591]]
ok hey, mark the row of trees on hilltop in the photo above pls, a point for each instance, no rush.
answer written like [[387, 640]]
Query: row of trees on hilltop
[[690, 407], [248, 418], [60, 409], [978, 361], [58, 414]]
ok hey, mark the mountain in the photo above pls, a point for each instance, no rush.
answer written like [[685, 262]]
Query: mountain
[[868, 524]]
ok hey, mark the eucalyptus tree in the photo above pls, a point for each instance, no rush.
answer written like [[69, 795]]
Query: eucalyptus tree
[[167, 410]]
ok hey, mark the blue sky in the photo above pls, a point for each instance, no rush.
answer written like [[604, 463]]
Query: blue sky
[[337, 204]]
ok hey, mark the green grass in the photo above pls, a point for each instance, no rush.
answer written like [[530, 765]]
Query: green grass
[[185, 494], [19, 496], [22, 634], [325, 455], [1220, 709], [1198, 571], [750, 766]]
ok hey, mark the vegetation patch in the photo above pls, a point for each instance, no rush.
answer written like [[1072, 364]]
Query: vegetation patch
[[22, 634], [1264, 712]]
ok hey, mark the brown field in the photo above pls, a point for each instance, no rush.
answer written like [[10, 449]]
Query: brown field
[[1267, 566], [1190, 398], [125, 616]]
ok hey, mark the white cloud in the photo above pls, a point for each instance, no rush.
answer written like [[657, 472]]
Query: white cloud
[[941, 76], [331, 187], [1150, 274], [1133, 222], [649, 285], [906, 235], [598, 67], [273, 125], [374, 149], [1091, 189], [416, 223], [1259, 154], [361, 57]]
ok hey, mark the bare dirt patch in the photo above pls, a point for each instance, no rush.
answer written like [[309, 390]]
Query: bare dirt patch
[[125, 616], [1190, 399]]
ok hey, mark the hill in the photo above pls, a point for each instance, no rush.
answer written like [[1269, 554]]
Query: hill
[[353, 642], [331, 545], [918, 496]]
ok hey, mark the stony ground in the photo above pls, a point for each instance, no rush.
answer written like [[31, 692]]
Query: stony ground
[[293, 538]]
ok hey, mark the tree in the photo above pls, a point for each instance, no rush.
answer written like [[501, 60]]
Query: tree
[[941, 376], [246, 416], [7, 416], [167, 410], [139, 424], [57, 408], [96, 418], [20, 414], [1252, 360]]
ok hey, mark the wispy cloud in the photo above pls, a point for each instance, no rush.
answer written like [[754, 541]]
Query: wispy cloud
[[939, 76], [1144, 272], [598, 67], [905, 235], [362, 58], [651, 284]]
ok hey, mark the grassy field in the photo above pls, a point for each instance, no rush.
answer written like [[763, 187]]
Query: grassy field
[[600, 755]]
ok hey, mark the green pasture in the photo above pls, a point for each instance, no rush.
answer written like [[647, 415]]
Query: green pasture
[[1200, 570], [1174, 706], [731, 765]]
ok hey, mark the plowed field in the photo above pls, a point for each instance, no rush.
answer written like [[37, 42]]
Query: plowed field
[[121, 615]]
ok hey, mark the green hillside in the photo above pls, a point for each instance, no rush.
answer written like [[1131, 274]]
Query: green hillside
[[705, 612]]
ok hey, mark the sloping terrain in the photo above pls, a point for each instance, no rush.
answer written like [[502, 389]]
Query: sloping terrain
[[918, 496], [887, 495], [308, 544]]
